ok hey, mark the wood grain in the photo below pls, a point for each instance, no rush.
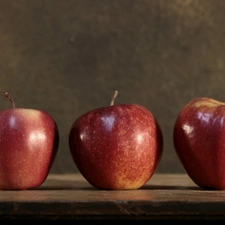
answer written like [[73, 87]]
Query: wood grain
[[69, 197]]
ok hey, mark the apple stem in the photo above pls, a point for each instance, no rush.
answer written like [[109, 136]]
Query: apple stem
[[10, 99], [113, 98]]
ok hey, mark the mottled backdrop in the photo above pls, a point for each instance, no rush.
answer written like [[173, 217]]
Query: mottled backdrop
[[68, 57]]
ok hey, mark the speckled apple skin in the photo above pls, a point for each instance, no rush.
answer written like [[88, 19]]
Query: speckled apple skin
[[199, 140], [116, 147], [28, 145]]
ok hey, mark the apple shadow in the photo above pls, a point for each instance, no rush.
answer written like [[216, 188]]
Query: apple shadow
[[79, 185], [169, 187], [48, 188], [65, 185]]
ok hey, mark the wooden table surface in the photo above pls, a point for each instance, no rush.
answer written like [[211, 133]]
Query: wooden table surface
[[69, 197]]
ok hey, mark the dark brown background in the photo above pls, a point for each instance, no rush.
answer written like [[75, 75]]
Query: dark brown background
[[67, 57]]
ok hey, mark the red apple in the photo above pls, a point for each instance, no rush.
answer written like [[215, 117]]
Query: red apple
[[28, 145], [117, 146], [199, 140]]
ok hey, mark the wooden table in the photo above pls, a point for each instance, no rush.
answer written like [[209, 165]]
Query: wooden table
[[69, 197]]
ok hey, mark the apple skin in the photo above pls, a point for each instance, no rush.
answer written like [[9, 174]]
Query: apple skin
[[28, 145], [116, 147], [199, 140]]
